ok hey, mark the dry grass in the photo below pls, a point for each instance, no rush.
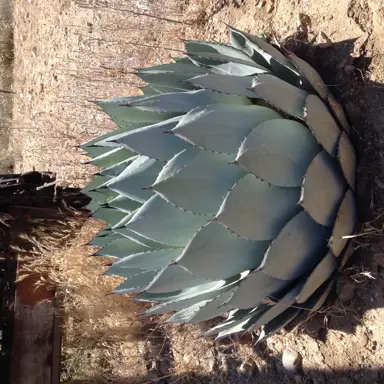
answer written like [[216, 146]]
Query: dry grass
[[101, 332]]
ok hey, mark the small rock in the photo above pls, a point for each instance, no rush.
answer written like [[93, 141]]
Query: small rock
[[345, 289], [349, 69], [247, 368], [364, 340], [292, 360], [271, 7]]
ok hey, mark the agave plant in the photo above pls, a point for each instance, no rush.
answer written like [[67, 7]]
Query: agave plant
[[228, 187]]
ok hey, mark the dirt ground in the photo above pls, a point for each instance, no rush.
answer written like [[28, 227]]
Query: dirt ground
[[68, 52]]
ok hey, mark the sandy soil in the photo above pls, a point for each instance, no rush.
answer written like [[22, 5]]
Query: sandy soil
[[67, 53]]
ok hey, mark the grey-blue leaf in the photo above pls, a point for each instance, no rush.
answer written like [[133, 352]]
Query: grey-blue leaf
[[216, 252], [196, 47], [138, 238], [321, 273], [94, 205], [121, 247], [184, 102], [198, 180], [322, 123], [124, 204], [262, 47], [136, 283], [97, 182], [169, 79], [109, 215], [279, 152], [151, 140], [174, 301], [116, 169], [212, 61], [339, 113], [148, 90], [128, 125], [347, 253], [276, 324], [174, 67], [317, 300], [213, 308], [95, 151], [322, 175], [138, 175], [311, 75], [185, 314], [275, 310], [123, 221], [221, 128], [236, 69], [296, 249], [102, 241], [112, 157], [238, 323], [98, 199], [125, 116], [261, 287], [165, 223], [280, 94], [347, 158], [257, 210], [123, 272], [174, 278], [154, 259], [345, 224], [227, 84], [268, 56]]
